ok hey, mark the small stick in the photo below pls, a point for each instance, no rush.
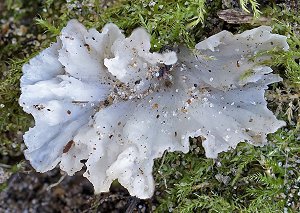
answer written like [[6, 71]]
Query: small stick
[[58, 182], [133, 202]]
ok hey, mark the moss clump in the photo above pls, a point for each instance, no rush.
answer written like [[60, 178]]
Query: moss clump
[[166, 21], [13, 121], [16, 44], [285, 22], [247, 179]]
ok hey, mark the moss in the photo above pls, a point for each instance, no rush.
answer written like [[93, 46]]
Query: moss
[[3, 186], [165, 21], [254, 7], [16, 48], [12, 117], [249, 179], [285, 22], [246, 74]]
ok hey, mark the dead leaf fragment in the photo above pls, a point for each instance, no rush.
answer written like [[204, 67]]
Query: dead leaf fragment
[[233, 16]]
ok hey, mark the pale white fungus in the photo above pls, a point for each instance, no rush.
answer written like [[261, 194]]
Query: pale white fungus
[[105, 100]]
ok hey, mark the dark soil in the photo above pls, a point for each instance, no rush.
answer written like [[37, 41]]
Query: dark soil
[[34, 192]]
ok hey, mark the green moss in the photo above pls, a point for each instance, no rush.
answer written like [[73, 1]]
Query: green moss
[[254, 7], [15, 48], [246, 74], [166, 21], [3, 186], [247, 179], [12, 117], [285, 22]]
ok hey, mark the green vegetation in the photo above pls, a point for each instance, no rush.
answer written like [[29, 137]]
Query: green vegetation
[[254, 6], [247, 179]]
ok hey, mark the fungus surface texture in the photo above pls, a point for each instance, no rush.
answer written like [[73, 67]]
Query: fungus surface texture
[[106, 101]]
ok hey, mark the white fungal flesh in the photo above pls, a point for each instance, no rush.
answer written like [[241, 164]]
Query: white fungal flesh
[[106, 100]]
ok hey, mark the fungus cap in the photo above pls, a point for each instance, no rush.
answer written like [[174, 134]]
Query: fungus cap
[[106, 99]]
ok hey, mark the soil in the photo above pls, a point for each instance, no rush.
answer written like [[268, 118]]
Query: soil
[[32, 192]]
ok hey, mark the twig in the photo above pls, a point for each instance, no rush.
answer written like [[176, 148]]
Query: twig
[[133, 202], [160, 172], [58, 182], [5, 166]]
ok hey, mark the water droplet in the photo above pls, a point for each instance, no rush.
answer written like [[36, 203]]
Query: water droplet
[[152, 3], [226, 138], [211, 79]]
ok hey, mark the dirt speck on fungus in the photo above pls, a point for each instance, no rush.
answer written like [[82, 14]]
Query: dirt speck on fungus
[[68, 146]]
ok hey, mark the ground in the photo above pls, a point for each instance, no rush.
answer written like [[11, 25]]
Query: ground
[[247, 179]]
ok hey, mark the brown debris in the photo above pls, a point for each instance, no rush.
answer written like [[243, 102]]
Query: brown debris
[[68, 146], [233, 16]]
